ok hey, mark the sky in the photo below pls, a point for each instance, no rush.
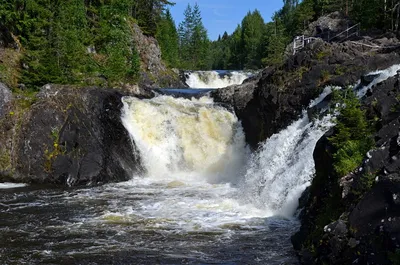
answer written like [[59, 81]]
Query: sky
[[224, 15]]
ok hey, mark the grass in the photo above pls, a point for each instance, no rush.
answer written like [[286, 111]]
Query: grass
[[50, 156]]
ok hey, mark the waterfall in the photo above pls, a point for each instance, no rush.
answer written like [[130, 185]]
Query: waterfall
[[283, 166], [380, 76], [215, 79], [183, 137], [197, 141]]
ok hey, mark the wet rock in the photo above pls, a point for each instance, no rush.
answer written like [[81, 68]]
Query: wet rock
[[367, 79], [337, 228], [353, 242], [328, 25]]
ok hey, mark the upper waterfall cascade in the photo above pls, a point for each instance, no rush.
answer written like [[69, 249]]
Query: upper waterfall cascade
[[215, 79]]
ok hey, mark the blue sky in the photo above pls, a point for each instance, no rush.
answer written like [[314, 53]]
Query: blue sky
[[224, 15]]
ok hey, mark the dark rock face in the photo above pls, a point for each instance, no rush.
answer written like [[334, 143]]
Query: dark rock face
[[270, 101], [333, 208], [74, 137], [5, 97], [366, 201]]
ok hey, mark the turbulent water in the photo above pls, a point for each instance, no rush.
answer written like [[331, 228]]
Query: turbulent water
[[203, 199], [215, 79]]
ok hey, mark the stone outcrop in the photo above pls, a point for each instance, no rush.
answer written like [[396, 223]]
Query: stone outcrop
[[328, 25], [154, 73], [67, 136], [270, 101], [356, 219]]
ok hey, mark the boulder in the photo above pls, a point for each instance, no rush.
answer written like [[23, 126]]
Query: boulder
[[328, 25], [73, 137]]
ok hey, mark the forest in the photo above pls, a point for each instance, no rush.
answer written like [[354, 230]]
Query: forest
[[76, 41], [255, 44]]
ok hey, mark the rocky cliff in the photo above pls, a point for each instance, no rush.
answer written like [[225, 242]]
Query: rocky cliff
[[355, 219], [154, 73], [271, 101]]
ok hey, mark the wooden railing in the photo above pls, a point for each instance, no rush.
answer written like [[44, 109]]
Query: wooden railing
[[301, 41], [350, 32]]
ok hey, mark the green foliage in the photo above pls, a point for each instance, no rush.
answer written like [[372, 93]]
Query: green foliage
[[168, 39], [252, 35], [394, 257], [77, 41], [340, 70], [275, 42], [325, 76], [353, 137], [5, 160], [322, 54], [193, 40], [114, 41], [148, 13]]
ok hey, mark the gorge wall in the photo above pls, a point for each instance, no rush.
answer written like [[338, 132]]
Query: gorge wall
[[355, 218]]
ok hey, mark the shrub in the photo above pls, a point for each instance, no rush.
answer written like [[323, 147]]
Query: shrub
[[353, 137]]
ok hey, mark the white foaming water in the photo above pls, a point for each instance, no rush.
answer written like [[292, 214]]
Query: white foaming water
[[182, 137], [215, 79], [382, 76], [7, 185], [193, 152], [283, 166], [195, 156]]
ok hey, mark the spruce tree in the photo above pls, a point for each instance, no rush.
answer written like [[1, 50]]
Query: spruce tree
[[252, 33], [193, 40]]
